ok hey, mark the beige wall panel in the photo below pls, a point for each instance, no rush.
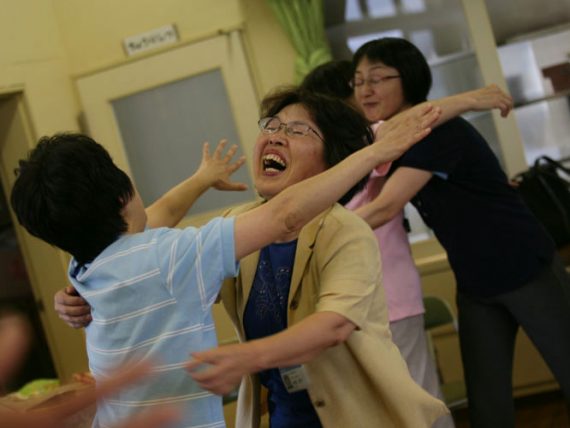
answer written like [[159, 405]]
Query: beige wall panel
[[91, 45], [33, 60], [93, 31], [50, 98], [271, 54], [29, 32]]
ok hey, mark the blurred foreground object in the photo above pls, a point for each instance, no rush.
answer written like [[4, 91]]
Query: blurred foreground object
[[54, 406]]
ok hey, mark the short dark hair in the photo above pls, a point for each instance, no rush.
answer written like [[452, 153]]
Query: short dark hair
[[344, 129], [69, 193], [412, 66], [331, 78]]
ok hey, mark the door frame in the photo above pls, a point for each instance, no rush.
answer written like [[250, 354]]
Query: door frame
[[46, 266]]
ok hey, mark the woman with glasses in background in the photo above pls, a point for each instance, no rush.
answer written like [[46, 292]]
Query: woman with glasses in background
[[507, 272]]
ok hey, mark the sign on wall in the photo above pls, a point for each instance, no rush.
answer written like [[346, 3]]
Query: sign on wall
[[150, 40]]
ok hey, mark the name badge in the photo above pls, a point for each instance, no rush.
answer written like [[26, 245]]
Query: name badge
[[294, 378]]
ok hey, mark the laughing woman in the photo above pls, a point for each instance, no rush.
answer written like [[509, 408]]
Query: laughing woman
[[313, 305]]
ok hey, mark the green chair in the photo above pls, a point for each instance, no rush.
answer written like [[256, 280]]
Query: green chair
[[438, 313]]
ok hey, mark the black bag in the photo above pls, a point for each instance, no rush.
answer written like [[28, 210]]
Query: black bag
[[547, 194]]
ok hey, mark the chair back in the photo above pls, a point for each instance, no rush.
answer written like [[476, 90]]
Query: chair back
[[437, 312]]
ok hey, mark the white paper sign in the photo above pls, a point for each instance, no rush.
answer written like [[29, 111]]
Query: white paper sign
[[150, 40]]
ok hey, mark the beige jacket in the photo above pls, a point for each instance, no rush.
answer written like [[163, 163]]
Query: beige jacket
[[364, 382]]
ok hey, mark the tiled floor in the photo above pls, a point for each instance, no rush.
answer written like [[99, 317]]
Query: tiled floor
[[548, 410]]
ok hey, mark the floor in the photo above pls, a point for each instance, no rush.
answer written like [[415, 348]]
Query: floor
[[548, 410]]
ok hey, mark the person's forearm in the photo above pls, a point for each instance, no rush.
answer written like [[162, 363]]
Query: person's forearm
[[281, 218], [302, 342], [396, 192], [171, 207], [486, 98], [454, 105], [376, 214], [303, 201], [225, 366]]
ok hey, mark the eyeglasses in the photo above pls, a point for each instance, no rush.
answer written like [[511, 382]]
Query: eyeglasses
[[272, 124], [372, 81]]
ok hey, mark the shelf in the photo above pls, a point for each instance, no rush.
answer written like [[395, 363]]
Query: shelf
[[555, 96]]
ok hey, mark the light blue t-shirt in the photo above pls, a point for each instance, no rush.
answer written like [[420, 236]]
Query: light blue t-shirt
[[151, 295]]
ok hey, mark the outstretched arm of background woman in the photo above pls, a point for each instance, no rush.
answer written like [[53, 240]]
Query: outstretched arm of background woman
[[299, 344], [487, 98]]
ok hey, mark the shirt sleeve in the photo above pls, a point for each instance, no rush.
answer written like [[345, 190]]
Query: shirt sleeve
[[349, 268], [199, 259]]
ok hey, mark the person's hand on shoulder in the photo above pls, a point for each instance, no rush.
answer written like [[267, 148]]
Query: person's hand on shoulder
[[405, 129]]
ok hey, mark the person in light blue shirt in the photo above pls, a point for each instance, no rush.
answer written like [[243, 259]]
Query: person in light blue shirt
[[151, 289], [151, 294]]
